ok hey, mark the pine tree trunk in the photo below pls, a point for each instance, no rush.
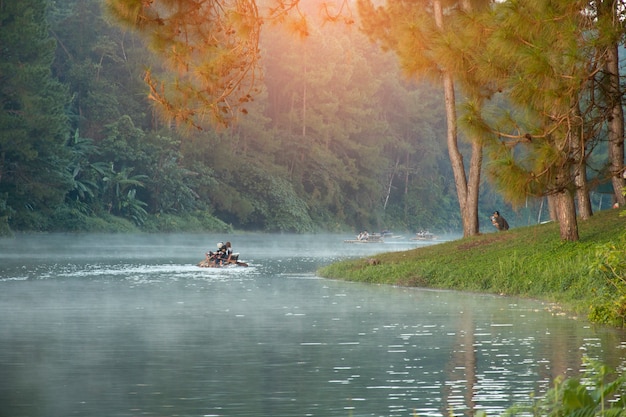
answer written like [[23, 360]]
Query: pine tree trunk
[[473, 188], [582, 197], [468, 196], [580, 174], [552, 208], [566, 213], [616, 126]]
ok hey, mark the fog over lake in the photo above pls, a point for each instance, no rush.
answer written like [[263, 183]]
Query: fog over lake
[[116, 325]]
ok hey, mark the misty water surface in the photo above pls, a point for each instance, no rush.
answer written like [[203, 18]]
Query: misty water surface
[[129, 326]]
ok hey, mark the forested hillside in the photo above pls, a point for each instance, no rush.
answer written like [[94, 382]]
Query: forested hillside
[[336, 139]]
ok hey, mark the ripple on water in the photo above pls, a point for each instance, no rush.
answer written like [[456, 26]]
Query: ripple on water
[[278, 341], [141, 273]]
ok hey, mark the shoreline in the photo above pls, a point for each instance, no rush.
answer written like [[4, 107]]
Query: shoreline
[[530, 262]]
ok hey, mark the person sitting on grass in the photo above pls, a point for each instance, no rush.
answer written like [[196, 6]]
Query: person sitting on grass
[[499, 222]]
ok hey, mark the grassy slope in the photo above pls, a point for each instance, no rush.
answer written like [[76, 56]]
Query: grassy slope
[[529, 261]]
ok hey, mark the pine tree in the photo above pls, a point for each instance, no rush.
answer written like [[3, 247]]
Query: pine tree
[[538, 57], [422, 34], [610, 25]]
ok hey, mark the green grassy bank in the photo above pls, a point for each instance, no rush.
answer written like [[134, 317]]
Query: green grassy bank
[[586, 278]]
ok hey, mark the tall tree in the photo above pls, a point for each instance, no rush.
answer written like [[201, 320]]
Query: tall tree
[[610, 27], [420, 33], [33, 123], [538, 56]]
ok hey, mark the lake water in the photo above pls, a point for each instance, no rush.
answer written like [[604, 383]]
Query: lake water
[[129, 326]]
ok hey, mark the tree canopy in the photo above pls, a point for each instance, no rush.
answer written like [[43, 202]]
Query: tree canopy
[[303, 123], [33, 115]]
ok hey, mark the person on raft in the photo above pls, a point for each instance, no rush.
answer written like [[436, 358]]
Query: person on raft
[[224, 254]]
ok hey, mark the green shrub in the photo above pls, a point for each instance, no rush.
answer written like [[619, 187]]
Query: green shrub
[[599, 392], [610, 266]]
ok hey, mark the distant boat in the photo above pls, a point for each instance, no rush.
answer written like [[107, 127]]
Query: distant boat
[[424, 235], [373, 238]]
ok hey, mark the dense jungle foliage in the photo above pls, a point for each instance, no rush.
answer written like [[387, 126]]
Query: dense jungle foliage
[[336, 140]]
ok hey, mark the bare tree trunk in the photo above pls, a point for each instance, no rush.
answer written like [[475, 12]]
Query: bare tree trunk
[[582, 194], [473, 188], [393, 174], [467, 195], [406, 175], [566, 212], [406, 186], [552, 207], [580, 174], [304, 103], [616, 125]]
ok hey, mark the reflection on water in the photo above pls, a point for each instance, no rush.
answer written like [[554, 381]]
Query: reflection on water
[[116, 327]]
